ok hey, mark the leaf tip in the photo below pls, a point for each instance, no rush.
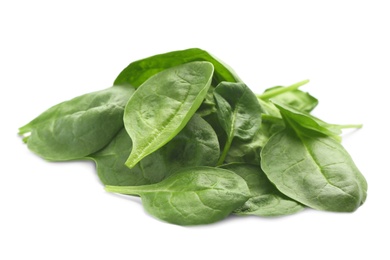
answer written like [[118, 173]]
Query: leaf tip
[[130, 163]]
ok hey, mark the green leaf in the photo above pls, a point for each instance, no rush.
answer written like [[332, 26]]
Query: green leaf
[[208, 105], [314, 170], [78, 127], [163, 105], [297, 99], [139, 71], [248, 151], [239, 113], [195, 145], [213, 120], [191, 196], [265, 199], [305, 120]]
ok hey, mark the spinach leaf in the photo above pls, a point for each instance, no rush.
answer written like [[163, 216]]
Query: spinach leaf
[[308, 121], [195, 145], [239, 113], [163, 105], [265, 199], [314, 170], [191, 196], [78, 127], [111, 168], [247, 151], [139, 71], [295, 98], [213, 120], [290, 95], [208, 105]]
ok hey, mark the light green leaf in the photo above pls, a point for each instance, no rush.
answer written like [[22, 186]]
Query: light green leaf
[[163, 105]]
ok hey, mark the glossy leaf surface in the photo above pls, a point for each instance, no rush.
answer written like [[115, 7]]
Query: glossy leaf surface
[[239, 113], [78, 127], [305, 120], [195, 145], [192, 196], [265, 199], [314, 170], [296, 98], [139, 71], [163, 105]]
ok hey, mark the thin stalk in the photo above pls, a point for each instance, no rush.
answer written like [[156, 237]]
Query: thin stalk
[[349, 126], [128, 190], [274, 92], [225, 151]]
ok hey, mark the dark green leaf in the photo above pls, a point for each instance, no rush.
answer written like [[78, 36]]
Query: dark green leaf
[[314, 170], [247, 151], [139, 71], [78, 127], [195, 145], [265, 199], [191, 196], [239, 113]]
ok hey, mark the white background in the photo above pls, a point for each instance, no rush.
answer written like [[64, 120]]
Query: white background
[[51, 51]]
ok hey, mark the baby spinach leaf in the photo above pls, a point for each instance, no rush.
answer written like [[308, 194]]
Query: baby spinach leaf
[[239, 113], [78, 127], [208, 105], [246, 151], [269, 108], [265, 199], [111, 168], [163, 105], [308, 121], [296, 98], [290, 95], [314, 170], [213, 120], [195, 145], [139, 71], [191, 196]]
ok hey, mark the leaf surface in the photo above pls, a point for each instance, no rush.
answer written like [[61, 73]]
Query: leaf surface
[[296, 98], [265, 199], [305, 120], [195, 145], [314, 170], [192, 196], [139, 71], [239, 113], [163, 105], [78, 127]]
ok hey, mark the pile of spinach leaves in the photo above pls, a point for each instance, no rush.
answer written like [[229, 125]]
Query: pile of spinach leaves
[[183, 132]]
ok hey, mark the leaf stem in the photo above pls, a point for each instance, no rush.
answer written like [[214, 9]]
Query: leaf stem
[[225, 151], [350, 126], [128, 190], [274, 92]]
